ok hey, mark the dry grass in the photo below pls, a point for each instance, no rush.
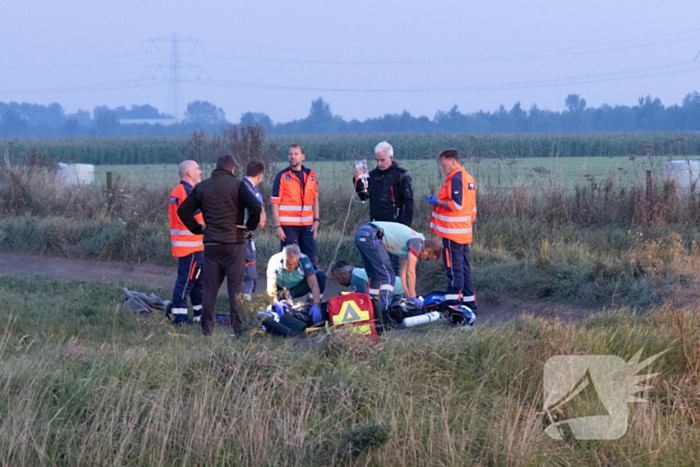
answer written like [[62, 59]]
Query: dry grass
[[114, 391]]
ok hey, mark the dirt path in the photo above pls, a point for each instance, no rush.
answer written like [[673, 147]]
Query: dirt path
[[491, 309]]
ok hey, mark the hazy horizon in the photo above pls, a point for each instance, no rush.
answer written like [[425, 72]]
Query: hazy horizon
[[366, 58]]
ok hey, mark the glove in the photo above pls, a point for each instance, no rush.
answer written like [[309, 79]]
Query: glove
[[280, 308], [418, 301], [315, 313], [432, 200]]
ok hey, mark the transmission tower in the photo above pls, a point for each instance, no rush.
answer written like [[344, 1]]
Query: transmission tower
[[174, 70]]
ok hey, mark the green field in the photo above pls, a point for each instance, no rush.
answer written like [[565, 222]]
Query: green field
[[526, 172]]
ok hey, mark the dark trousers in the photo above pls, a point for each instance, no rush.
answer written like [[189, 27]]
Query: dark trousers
[[395, 263], [222, 260], [460, 285], [304, 237], [377, 264], [302, 288], [250, 276], [188, 284]]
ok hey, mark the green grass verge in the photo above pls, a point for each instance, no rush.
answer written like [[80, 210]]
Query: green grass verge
[[84, 384]]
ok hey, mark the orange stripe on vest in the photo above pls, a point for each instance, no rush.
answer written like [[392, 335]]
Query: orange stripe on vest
[[455, 225], [182, 241], [295, 204]]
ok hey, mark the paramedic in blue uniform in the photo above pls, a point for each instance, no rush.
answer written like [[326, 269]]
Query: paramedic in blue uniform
[[376, 241], [187, 247], [452, 219], [253, 176]]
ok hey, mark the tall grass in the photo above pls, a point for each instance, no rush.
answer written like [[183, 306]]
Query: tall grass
[[83, 384]]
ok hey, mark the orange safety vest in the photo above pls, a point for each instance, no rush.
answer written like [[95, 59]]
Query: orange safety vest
[[295, 203], [455, 223], [183, 241]]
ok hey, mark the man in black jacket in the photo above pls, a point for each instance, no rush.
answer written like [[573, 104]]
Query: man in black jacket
[[223, 200], [389, 191]]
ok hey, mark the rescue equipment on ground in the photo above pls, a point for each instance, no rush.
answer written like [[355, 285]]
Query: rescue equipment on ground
[[422, 319], [139, 302], [356, 310]]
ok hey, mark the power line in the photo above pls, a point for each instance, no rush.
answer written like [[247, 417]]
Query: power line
[[96, 87], [638, 73], [585, 50], [660, 70], [174, 68], [94, 62]]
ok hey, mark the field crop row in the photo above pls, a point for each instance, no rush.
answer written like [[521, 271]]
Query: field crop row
[[349, 147]]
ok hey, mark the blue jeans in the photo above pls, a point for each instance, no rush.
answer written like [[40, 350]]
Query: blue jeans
[[380, 272], [188, 284], [302, 288], [304, 237], [460, 285]]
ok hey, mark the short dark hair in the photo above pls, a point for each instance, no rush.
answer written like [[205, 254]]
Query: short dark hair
[[449, 154], [225, 162], [254, 169], [339, 266], [434, 246], [295, 145]]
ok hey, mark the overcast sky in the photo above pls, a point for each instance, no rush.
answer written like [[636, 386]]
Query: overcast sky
[[365, 57]]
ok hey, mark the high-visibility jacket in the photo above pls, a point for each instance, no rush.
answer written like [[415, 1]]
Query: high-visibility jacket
[[182, 241], [455, 222], [295, 202]]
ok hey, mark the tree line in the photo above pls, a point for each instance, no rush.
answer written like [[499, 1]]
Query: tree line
[[24, 120]]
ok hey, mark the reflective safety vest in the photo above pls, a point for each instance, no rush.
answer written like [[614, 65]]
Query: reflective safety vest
[[455, 223], [295, 203], [182, 241], [356, 310]]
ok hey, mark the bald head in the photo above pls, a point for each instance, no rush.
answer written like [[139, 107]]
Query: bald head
[[189, 172]]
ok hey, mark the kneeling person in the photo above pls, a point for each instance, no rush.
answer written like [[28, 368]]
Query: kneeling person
[[357, 279], [292, 270], [376, 240]]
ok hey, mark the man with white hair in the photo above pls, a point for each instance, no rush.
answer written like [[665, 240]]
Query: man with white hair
[[186, 247], [291, 270], [389, 191]]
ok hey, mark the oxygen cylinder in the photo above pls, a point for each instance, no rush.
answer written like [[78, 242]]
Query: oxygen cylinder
[[422, 319]]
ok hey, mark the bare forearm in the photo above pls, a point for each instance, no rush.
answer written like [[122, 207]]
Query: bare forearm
[[276, 214], [271, 287], [402, 275], [315, 208], [410, 283]]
